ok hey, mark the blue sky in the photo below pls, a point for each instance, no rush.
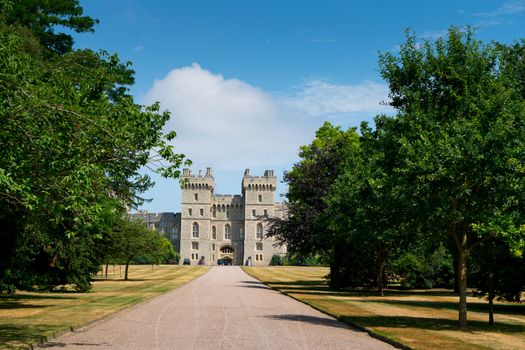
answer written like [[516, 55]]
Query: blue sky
[[248, 82]]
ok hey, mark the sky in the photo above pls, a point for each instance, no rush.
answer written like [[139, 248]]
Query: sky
[[248, 82]]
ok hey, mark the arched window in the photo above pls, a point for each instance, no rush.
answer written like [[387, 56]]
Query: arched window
[[259, 231], [227, 232], [195, 230], [213, 232]]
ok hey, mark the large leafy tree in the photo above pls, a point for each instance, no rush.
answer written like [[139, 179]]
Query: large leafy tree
[[461, 132], [73, 142], [365, 205], [306, 230]]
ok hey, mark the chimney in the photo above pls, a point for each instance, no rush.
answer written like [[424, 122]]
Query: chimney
[[208, 171], [247, 172]]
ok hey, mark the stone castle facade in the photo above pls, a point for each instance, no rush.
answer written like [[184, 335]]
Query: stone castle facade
[[217, 229]]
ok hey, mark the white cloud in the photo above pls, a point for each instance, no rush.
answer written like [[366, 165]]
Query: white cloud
[[230, 124], [501, 15], [321, 98], [508, 8]]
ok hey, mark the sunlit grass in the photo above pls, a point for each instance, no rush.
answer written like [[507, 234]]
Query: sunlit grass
[[26, 317], [420, 319]]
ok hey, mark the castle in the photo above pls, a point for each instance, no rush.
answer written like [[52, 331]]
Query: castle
[[215, 229]]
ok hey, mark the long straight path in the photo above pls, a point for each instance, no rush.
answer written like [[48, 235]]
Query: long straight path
[[224, 309]]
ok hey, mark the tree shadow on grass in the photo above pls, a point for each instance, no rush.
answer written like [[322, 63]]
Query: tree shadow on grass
[[13, 336], [11, 305], [516, 309], [40, 296], [437, 324], [20, 301]]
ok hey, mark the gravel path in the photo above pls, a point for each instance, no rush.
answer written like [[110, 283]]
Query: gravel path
[[224, 309]]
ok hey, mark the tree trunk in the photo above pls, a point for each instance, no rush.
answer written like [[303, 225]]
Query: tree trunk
[[456, 271], [491, 299], [126, 271], [335, 267], [461, 241], [381, 257], [107, 265]]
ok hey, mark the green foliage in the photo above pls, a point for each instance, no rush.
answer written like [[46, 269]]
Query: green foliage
[[423, 269], [42, 17], [276, 260], [460, 132], [301, 260], [305, 231], [73, 142], [131, 241]]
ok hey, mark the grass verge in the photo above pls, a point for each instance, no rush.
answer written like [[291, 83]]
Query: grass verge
[[28, 317], [419, 319]]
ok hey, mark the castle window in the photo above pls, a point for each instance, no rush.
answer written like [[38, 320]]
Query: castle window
[[196, 196], [189, 211], [227, 232], [202, 212], [260, 198], [195, 230], [258, 246], [259, 231], [213, 232], [253, 213], [195, 245], [213, 247], [265, 212], [214, 213]]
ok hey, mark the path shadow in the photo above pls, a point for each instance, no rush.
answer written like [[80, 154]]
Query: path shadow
[[321, 321], [256, 286], [64, 345]]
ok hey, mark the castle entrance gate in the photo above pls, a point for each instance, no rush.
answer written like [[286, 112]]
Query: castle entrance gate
[[225, 255]]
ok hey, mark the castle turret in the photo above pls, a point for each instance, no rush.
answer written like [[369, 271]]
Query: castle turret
[[259, 199], [197, 193]]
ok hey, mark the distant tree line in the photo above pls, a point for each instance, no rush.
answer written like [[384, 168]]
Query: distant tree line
[[432, 194], [72, 142]]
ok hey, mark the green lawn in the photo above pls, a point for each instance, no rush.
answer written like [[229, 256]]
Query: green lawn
[[422, 319], [26, 317]]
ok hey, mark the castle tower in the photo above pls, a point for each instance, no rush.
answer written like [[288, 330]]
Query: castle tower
[[197, 193], [259, 200]]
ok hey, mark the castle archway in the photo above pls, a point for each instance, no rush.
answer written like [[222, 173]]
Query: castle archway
[[226, 255]]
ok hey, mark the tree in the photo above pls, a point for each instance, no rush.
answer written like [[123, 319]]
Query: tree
[[498, 273], [132, 239], [73, 142], [461, 136], [365, 206], [305, 230], [41, 18]]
